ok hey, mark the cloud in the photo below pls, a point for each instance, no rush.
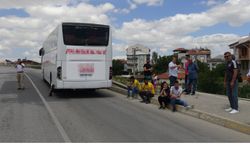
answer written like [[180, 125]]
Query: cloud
[[212, 2], [26, 3], [173, 32], [165, 34], [148, 2], [30, 32], [133, 4]]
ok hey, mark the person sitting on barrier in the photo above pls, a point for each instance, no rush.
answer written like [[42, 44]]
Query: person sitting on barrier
[[147, 91], [134, 86], [175, 96], [164, 95]]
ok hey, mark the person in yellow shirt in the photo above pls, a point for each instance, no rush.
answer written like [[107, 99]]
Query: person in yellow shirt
[[134, 86], [147, 91]]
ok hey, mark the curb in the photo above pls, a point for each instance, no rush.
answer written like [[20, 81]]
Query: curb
[[212, 118]]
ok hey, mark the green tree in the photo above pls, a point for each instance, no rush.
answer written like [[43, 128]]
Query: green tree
[[210, 81], [162, 64], [154, 57], [118, 67], [220, 70]]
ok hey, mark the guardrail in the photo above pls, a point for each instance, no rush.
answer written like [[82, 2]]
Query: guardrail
[[26, 66]]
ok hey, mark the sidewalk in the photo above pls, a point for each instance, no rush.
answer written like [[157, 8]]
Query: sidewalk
[[210, 107], [215, 104]]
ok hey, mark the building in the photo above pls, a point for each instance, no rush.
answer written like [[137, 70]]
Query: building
[[137, 56], [2, 62], [181, 54], [241, 50], [203, 55], [213, 62]]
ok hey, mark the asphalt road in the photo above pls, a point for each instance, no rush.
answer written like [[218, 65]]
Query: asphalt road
[[100, 116]]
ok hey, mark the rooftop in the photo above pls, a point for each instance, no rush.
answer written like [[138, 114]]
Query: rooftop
[[241, 41]]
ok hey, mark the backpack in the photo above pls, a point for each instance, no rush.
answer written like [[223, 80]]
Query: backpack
[[239, 75]]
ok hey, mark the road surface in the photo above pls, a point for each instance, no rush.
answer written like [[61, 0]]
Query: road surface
[[30, 115]]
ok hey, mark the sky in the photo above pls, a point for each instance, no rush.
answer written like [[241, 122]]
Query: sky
[[161, 25]]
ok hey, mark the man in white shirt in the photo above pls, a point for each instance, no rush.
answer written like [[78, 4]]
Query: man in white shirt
[[173, 71], [20, 75], [175, 96], [248, 76]]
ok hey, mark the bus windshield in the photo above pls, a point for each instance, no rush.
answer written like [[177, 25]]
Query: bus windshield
[[85, 35]]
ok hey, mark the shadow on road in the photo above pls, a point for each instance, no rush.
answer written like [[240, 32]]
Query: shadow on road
[[8, 87], [28, 96], [65, 94]]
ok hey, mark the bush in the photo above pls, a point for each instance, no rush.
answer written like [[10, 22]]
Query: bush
[[122, 80], [244, 91], [209, 82]]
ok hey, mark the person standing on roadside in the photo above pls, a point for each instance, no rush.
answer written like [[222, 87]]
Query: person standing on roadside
[[147, 71], [186, 74], [231, 83], [248, 76], [192, 77], [173, 71], [20, 74]]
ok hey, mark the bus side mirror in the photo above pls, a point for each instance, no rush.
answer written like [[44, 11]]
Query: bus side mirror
[[41, 52]]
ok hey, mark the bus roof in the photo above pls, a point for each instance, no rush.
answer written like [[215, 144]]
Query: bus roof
[[84, 24]]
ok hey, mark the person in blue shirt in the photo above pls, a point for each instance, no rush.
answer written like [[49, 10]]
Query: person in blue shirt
[[192, 77]]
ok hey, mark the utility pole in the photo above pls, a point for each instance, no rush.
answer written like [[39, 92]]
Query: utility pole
[[134, 59], [134, 51]]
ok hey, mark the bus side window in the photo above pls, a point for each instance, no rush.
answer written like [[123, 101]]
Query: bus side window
[[68, 38]]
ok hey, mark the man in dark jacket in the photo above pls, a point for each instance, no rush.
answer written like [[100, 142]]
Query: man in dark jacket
[[231, 83], [192, 77]]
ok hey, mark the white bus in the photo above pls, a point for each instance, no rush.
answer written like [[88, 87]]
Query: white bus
[[78, 56]]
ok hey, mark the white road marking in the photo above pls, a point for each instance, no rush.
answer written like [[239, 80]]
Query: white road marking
[[56, 121]]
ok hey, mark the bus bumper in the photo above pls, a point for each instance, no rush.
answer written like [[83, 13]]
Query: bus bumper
[[83, 84]]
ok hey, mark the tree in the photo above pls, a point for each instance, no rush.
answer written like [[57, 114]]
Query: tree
[[118, 67], [154, 57], [162, 64], [211, 81], [220, 69]]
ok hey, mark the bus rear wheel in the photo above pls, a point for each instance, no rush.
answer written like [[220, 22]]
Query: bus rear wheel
[[43, 76], [52, 87]]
